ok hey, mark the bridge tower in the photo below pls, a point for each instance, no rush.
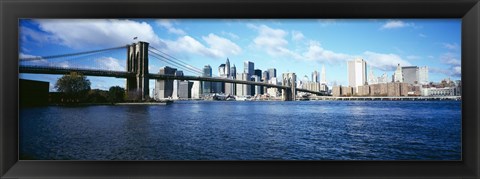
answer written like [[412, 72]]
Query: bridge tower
[[290, 80], [137, 62]]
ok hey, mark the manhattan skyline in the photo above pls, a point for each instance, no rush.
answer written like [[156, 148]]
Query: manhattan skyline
[[299, 46]]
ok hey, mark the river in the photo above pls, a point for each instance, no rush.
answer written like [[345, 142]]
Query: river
[[250, 130]]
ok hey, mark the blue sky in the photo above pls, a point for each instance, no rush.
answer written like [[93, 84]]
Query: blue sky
[[289, 45]]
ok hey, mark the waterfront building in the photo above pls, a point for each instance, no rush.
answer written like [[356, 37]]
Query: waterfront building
[[196, 90], [257, 89], [230, 88], [410, 74], [176, 84], [164, 88], [423, 75], [357, 72], [242, 89], [398, 76], [433, 91], [206, 85], [185, 89]]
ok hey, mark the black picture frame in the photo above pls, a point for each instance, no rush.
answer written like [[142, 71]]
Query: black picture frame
[[467, 10]]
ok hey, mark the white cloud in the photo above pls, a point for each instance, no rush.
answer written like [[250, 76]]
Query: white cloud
[[316, 53], [394, 24], [272, 41], [451, 46], [454, 62], [422, 35], [81, 33], [218, 47], [385, 62], [167, 24], [297, 35], [231, 35], [221, 47], [110, 63]]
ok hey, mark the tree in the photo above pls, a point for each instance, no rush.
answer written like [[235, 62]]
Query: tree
[[116, 94], [75, 86]]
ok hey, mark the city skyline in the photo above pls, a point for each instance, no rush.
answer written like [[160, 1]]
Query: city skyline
[[299, 46]]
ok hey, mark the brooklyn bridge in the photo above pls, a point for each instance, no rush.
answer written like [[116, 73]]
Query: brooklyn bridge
[[137, 70]]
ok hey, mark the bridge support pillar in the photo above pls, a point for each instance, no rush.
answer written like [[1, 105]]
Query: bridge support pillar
[[137, 87], [290, 93]]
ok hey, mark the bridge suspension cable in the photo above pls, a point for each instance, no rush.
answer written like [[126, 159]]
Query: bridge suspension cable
[[70, 54], [169, 61], [176, 59], [176, 63]]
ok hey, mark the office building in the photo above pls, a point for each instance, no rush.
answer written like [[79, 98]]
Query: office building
[[176, 84], [248, 68], [227, 68], [323, 76], [242, 89], [410, 74], [315, 77], [272, 73], [221, 71], [185, 89], [206, 85], [233, 71], [423, 75], [357, 72], [265, 76], [164, 88], [196, 90]]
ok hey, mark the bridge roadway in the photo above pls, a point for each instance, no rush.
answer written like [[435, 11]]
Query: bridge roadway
[[124, 74]]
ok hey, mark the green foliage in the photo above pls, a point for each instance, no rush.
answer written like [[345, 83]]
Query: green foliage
[[116, 94], [74, 85], [97, 96]]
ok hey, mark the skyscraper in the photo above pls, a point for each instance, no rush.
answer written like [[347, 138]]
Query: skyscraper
[[164, 88], [272, 73], [357, 73], [227, 68], [315, 77], [233, 72], [423, 75], [265, 76], [207, 86], [323, 76], [221, 70], [248, 68], [410, 74]]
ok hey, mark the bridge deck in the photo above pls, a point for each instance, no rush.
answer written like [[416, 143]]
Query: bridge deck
[[124, 74]]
